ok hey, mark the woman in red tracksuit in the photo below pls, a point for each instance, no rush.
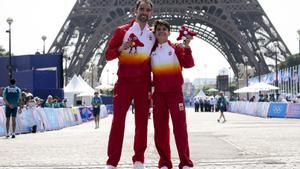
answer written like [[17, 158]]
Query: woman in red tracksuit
[[167, 60]]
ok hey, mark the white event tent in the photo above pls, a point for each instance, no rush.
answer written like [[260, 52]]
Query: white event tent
[[78, 87], [256, 88], [201, 94]]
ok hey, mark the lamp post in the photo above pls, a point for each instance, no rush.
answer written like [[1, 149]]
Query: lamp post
[[259, 66], [299, 40], [237, 78], [65, 54], [299, 56], [276, 70], [9, 21], [44, 39], [92, 66], [246, 65]]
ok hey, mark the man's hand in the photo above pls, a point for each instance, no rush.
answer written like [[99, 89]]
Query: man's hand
[[125, 46], [188, 40]]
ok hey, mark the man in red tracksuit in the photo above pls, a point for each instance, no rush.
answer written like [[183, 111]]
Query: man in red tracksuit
[[167, 60], [131, 44]]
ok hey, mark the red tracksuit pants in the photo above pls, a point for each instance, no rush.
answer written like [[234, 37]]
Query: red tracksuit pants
[[166, 104], [124, 92]]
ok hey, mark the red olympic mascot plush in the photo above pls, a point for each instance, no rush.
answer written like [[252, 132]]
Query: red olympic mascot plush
[[135, 42], [184, 31]]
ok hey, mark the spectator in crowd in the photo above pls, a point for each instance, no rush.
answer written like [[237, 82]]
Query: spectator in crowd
[[96, 102], [298, 98], [49, 102], [212, 103], [64, 103], [39, 102], [206, 105], [272, 98], [261, 98], [222, 105], [288, 98], [23, 98], [30, 101], [196, 104], [12, 98], [56, 102], [252, 99], [201, 102], [191, 102], [266, 98]]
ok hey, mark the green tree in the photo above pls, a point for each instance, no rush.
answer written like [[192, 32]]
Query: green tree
[[232, 88], [290, 61], [3, 52], [205, 88]]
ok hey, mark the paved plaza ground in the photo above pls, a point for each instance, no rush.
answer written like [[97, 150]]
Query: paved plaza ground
[[243, 142]]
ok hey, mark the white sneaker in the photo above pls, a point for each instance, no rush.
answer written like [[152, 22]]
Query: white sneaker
[[186, 167], [110, 167], [138, 165], [164, 167]]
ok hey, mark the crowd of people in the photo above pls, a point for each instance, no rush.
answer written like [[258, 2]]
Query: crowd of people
[[272, 98], [205, 104], [15, 100], [216, 103], [27, 100]]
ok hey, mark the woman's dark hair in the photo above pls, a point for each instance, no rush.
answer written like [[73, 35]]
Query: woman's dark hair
[[161, 22]]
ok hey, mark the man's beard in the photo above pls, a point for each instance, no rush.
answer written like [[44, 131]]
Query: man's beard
[[143, 18]]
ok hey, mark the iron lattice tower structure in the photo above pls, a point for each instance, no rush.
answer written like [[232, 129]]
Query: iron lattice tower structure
[[236, 28]]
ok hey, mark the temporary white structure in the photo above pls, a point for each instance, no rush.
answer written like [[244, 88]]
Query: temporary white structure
[[256, 88], [105, 87], [85, 94], [201, 94], [263, 87], [75, 87], [78, 85], [245, 90]]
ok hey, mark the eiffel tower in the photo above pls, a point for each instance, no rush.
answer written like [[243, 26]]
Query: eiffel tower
[[236, 28]]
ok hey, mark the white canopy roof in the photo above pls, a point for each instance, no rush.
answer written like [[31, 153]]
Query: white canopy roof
[[263, 87], [200, 94], [245, 90], [78, 85], [256, 88], [105, 87]]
